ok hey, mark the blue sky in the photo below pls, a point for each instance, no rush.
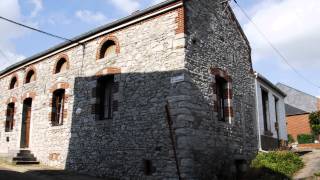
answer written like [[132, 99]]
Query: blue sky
[[288, 24]]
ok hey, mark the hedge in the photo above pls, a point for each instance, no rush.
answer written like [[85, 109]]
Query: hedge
[[305, 138], [279, 162]]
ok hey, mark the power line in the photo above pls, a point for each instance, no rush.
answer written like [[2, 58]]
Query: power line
[[282, 57], [38, 30]]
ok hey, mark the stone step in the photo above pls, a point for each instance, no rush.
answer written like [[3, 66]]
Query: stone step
[[25, 162], [24, 159], [25, 155], [25, 151]]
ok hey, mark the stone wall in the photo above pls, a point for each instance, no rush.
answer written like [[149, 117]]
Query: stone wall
[[214, 148], [149, 54]]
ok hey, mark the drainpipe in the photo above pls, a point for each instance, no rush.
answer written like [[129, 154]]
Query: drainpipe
[[169, 121], [257, 111]]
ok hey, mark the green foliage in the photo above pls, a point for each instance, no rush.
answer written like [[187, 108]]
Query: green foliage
[[290, 139], [314, 120], [305, 138], [282, 162]]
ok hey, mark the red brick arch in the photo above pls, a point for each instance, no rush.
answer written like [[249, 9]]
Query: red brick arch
[[108, 70], [11, 100], [61, 56], [59, 85], [14, 76], [104, 40], [31, 68], [26, 95]]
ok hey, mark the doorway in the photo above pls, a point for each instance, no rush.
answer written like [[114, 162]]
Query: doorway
[[25, 128]]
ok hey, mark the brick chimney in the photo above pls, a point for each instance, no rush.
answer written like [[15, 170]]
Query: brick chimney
[[318, 104]]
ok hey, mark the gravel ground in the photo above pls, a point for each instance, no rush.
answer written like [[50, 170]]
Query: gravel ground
[[312, 165], [37, 172]]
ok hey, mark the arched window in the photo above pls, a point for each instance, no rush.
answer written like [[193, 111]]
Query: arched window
[[108, 49], [13, 83], [30, 76], [58, 100], [62, 66]]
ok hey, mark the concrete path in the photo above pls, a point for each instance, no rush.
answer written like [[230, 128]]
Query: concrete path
[[37, 172], [312, 165]]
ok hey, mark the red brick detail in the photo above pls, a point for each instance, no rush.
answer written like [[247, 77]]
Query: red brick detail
[[227, 95], [309, 146], [108, 71], [31, 95], [104, 40], [298, 124], [60, 85], [11, 100], [17, 82], [180, 20], [60, 57], [54, 156], [30, 68]]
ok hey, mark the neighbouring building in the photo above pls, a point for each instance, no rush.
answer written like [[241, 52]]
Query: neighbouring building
[[298, 107], [271, 118], [165, 92]]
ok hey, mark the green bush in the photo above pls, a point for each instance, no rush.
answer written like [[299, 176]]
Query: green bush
[[314, 120], [281, 162], [290, 139], [305, 138]]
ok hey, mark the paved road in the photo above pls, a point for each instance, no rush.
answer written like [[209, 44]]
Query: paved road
[[312, 165], [11, 174]]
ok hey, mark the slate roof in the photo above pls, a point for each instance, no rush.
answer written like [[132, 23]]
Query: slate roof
[[299, 99], [290, 110]]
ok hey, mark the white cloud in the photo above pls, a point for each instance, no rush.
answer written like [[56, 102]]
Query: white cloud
[[292, 26], [9, 9], [38, 6], [157, 1], [127, 6], [91, 17]]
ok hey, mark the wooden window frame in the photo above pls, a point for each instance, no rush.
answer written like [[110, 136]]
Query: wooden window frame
[[9, 124], [58, 106], [103, 82], [221, 89]]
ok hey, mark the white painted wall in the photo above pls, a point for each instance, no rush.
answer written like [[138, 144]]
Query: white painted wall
[[272, 111]]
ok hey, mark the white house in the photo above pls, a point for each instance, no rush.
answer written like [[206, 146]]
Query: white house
[[271, 122]]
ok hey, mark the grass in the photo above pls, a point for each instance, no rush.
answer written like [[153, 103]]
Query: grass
[[277, 164]]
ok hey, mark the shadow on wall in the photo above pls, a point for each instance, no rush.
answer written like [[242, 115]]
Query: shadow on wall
[[43, 174], [135, 143]]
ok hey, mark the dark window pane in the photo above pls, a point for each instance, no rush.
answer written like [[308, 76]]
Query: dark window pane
[[105, 86], [221, 87]]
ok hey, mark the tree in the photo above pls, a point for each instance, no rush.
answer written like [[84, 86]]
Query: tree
[[314, 120]]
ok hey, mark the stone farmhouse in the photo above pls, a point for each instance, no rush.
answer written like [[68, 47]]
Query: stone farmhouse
[[165, 93]]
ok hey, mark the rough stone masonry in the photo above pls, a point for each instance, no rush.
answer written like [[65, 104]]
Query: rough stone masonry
[[170, 55]]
